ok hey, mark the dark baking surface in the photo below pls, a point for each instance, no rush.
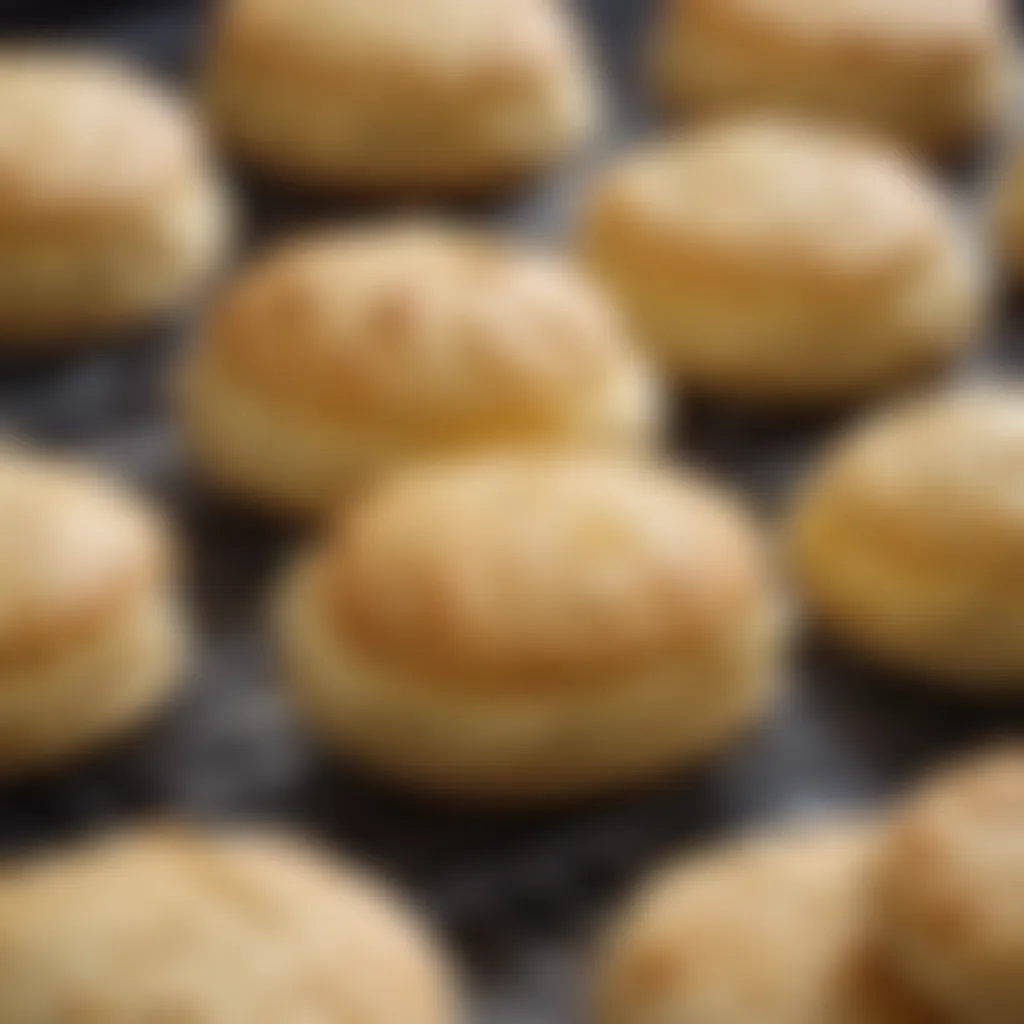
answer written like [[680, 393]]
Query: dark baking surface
[[517, 892]]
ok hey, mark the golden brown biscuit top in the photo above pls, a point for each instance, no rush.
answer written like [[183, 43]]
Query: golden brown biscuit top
[[941, 477], [167, 924], [943, 29], [418, 327], [472, 46], [1008, 200], [952, 869], [526, 569], [72, 547], [83, 140], [767, 200], [772, 930]]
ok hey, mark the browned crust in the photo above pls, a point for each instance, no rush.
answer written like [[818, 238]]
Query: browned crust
[[471, 597], [99, 143], [78, 553]]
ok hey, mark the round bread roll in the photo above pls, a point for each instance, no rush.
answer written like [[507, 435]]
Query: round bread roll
[[448, 95], [1007, 216], [773, 930], [354, 351], [951, 890], [532, 627], [90, 630], [168, 924], [110, 214], [909, 539], [933, 74], [772, 263]]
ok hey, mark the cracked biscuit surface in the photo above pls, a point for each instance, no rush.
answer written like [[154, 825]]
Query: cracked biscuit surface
[[356, 351], [533, 627], [451, 95], [775, 263]]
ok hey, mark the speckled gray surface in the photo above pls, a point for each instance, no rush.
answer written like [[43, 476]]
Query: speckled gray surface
[[518, 894]]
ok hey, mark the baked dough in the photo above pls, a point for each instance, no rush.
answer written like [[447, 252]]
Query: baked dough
[[110, 214], [772, 930], [909, 539], [1007, 215], [353, 351], [933, 74], [451, 95], [775, 263], [170, 924], [951, 890], [91, 637], [532, 627]]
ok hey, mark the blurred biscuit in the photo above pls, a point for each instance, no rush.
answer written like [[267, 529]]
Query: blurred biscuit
[[90, 630], [909, 539], [169, 924], [448, 95], [358, 350], [772, 930], [933, 74], [951, 890], [1007, 215], [110, 215], [531, 628], [774, 263]]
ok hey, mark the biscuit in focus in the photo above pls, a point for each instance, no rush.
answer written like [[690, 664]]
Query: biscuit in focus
[[533, 628]]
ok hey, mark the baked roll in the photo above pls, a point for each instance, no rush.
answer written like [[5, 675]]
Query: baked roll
[[1006, 216], [355, 351], [950, 889], [532, 628], [908, 540], [168, 923], [111, 215], [91, 635], [444, 95], [934, 75], [779, 264], [775, 929]]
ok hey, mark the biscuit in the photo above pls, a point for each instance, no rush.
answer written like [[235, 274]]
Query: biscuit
[[458, 95], [170, 924], [908, 541], [933, 74], [110, 215], [357, 350], [91, 639], [532, 627], [950, 890], [772, 263], [1007, 216], [773, 930]]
